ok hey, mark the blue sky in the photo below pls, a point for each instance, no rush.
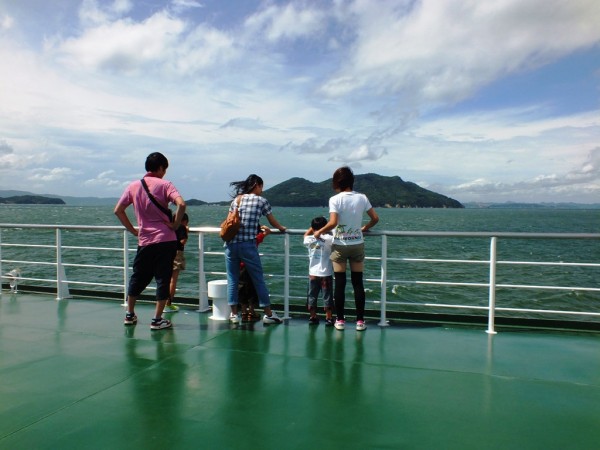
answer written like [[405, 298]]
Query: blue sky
[[482, 101]]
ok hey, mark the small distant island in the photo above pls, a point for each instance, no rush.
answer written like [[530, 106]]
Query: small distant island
[[31, 200]]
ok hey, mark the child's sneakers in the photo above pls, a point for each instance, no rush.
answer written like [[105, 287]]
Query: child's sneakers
[[130, 319], [160, 324], [329, 322], [361, 325], [234, 318], [171, 308], [340, 324], [313, 320]]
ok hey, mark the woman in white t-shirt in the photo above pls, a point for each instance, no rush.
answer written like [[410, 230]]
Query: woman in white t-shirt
[[346, 210]]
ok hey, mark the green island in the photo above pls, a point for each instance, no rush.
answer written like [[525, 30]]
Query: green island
[[382, 191], [31, 200]]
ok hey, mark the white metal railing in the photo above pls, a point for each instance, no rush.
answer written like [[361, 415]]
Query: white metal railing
[[118, 265]]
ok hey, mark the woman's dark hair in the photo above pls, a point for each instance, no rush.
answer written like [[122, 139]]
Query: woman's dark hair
[[343, 178], [246, 186], [155, 161], [318, 222]]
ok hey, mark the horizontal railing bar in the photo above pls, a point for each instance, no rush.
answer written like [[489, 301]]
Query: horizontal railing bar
[[462, 261], [91, 283], [542, 263], [470, 261], [558, 288], [550, 311], [52, 280], [28, 245], [441, 283], [519, 286], [33, 263], [109, 249], [461, 234], [92, 266], [484, 308]]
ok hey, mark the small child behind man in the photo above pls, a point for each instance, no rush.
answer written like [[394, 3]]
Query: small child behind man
[[178, 263], [320, 271], [247, 295]]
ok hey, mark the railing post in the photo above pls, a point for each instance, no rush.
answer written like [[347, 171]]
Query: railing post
[[492, 294], [203, 290], [125, 265], [383, 321], [62, 287], [286, 277], [1, 276]]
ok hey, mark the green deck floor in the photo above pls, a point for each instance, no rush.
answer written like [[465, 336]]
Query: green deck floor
[[73, 377]]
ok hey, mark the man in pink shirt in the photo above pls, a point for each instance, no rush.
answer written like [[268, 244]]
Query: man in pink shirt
[[157, 241]]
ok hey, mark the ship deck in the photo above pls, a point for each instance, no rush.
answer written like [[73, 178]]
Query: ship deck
[[72, 376]]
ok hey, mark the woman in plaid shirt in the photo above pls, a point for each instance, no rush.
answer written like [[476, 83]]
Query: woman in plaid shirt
[[242, 248]]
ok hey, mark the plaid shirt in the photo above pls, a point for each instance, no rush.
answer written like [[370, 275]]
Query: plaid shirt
[[252, 208]]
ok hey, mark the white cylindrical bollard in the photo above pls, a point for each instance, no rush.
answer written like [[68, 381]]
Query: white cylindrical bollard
[[217, 292]]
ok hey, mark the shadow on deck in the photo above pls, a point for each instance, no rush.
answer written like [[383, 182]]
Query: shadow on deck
[[72, 376]]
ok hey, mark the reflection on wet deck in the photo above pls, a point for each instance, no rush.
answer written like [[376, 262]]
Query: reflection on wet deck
[[72, 376]]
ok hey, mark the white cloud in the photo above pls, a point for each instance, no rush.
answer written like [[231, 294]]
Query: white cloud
[[48, 175], [107, 178], [124, 45], [92, 12], [6, 22], [182, 5], [443, 51], [581, 184], [284, 22], [362, 153]]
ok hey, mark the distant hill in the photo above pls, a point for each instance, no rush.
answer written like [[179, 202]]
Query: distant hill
[[545, 205], [194, 202], [30, 200], [388, 192]]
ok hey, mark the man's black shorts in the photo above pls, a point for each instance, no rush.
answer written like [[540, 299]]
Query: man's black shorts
[[153, 261]]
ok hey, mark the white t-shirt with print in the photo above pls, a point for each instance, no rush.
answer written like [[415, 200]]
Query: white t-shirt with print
[[350, 207], [319, 251]]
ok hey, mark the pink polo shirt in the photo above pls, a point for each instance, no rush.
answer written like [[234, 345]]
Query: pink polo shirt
[[152, 222]]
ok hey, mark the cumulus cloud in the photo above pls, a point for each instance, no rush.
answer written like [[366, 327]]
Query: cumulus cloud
[[48, 175], [444, 51], [10, 160], [160, 43], [123, 45], [317, 146], [107, 178], [362, 153], [579, 184]]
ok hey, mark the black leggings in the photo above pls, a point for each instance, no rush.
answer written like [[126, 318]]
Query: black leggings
[[340, 294]]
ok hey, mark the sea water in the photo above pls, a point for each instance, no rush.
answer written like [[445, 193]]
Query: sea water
[[406, 279]]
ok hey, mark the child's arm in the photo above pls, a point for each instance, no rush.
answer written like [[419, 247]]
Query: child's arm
[[308, 232], [264, 232], [333, 222]]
